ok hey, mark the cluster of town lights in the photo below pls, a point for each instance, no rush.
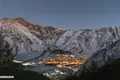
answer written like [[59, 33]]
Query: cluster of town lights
[[60, 60]]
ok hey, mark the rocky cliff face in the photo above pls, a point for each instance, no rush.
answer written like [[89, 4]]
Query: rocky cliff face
[[33, 39]]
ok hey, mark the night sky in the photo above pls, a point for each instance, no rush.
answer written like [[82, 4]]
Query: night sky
[[68, 14]]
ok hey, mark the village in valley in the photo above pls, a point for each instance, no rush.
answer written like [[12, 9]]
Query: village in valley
[[64, 58], [63, 62]]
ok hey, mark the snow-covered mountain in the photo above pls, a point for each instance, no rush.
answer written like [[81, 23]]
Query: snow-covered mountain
[[100, 58], [33, 40]]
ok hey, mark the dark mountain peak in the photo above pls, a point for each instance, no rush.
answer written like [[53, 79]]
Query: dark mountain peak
[[22, 21]]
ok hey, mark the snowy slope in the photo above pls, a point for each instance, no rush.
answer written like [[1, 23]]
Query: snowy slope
[[19, 35], [31, 38], [101, 57]]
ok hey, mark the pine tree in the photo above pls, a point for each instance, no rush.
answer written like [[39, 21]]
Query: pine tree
[[6, 55]]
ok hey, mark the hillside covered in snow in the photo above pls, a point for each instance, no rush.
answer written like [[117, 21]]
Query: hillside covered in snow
[[34, 40]]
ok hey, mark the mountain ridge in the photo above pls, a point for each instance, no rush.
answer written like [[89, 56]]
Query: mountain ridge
[[32, 38], [100, 59]]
